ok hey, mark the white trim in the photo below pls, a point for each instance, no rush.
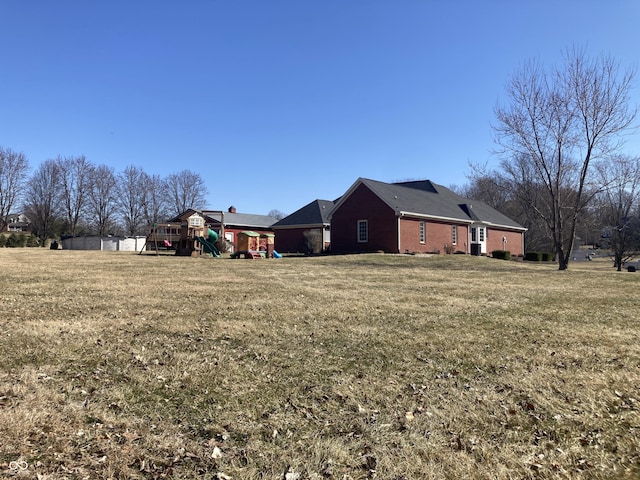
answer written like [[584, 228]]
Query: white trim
[[435, 217], [462, 221]]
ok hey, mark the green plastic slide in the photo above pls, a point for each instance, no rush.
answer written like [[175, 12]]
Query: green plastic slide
[[209, 243]]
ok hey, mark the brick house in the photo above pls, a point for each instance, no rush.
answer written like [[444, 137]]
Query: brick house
[[418, 217], [231, 223], [307, 230]]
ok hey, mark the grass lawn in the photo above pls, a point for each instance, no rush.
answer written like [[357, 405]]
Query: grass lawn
[[125, 366]]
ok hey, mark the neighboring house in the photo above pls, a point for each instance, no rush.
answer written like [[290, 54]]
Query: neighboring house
[[17, 222], [227, 224], [230, 223], [418, 217], [306, 230]]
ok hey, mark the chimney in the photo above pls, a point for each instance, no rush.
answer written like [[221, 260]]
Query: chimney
[[232, 209]]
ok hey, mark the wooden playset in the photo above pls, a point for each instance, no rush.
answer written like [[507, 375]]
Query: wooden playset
[[254, 245]]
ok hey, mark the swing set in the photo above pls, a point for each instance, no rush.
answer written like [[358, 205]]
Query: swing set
[[165, 241]]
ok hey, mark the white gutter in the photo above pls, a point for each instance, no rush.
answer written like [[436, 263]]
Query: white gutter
[[460, 220], [434, 217]]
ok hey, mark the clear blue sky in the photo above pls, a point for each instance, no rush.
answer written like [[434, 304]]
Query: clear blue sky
[[277, 103]]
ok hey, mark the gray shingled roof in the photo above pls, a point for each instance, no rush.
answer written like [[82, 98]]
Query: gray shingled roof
[[315, 213], [425, 198], [243, 219]]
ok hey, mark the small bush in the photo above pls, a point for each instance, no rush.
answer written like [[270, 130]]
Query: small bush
[[223, 245], [501, 254], [533, 256], [15, 240], [32, 241], [547, 257]]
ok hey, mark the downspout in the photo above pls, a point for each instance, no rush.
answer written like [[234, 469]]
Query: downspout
[[398, 235]]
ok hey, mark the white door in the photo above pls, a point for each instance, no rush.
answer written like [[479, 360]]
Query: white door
[[479, 237]]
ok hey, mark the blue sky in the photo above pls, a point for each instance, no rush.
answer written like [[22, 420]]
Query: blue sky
[[277, 103]]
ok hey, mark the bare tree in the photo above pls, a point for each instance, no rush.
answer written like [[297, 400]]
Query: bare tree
[[43, 201], [187, 190], [103, 199], [13, 175], [557, 123], [131, 199], [277, 214], [74, 181], [618, 201], [499, 191], [154, 199]]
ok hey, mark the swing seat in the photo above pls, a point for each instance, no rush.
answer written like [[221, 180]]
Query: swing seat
[[167, 243]]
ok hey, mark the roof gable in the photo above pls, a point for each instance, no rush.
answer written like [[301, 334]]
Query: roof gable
[[315, 213]]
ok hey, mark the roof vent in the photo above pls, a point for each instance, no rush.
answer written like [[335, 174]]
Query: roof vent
[[232, 209]]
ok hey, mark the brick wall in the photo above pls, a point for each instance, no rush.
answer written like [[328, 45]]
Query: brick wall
[[382, 224], [513, 244], [438, 236]]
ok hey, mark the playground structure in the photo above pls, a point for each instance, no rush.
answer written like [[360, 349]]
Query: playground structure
[[194, 235], [192, 238], [187, 239], [254, 245]]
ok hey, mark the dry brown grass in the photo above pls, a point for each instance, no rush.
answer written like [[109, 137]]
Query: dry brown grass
[[121, 366]]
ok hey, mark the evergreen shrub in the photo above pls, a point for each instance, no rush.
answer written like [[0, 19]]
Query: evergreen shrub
[[501, 254], [533, 256]]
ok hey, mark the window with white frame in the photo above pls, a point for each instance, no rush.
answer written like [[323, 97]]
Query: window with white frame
[[481, 234], [363, 231], [196, 221], [423, 232], [454, 234]]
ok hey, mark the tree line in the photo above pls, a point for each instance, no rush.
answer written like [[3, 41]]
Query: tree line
[[69, 196], [562, 173]]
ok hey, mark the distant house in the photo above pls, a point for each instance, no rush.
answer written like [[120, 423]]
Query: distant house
[[17, 222], [231, 223], [418, 216], [306, 230]]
